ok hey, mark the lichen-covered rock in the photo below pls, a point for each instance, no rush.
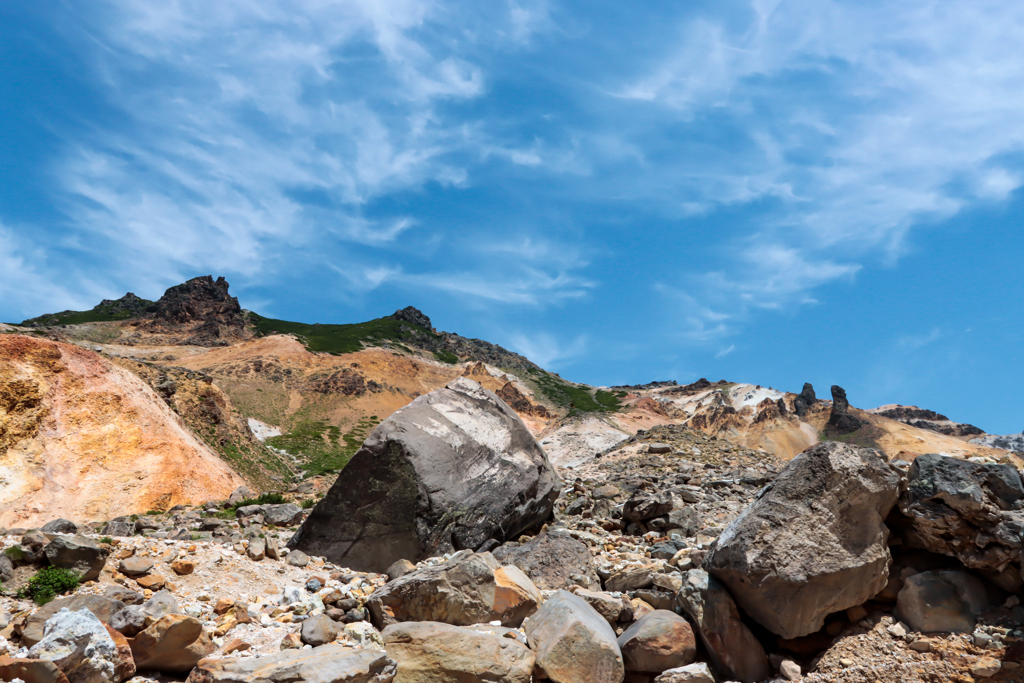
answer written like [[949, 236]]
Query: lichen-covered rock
[[80, 645], [471, 588], [814, 541], [733, 649], [328, 663], [573, 643], [450, 471], [431, 652], [965, 509]]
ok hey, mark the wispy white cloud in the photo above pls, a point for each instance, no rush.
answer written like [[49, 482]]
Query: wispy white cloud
[[548, 350]]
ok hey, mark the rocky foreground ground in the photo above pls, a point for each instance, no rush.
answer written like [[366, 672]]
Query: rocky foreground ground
[[674, 557]]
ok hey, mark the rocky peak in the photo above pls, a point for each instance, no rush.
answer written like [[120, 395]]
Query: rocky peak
[[804, 400], [841, 419], [198, 300], [411, 314], [129, 302]]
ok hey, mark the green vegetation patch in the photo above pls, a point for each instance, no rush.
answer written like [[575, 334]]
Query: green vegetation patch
[[262, 499], [338, 339], [570, 395], [49, 582], [321, 446], [446, 357], [101, 313]]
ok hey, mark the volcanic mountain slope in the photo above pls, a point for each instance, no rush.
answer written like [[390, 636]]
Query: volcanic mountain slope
[[316, 391], [83, 438]]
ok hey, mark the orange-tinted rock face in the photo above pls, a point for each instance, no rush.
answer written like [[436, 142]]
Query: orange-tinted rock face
[[84, 439]]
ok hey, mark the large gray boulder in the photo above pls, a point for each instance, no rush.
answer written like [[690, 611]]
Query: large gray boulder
[[733, 649], [328, 663], [573, 643], [77, 553], [82, 647], [964, 509], [814, 541], [450, 471]]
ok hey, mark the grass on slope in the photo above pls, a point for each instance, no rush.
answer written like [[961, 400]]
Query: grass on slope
[[98, 314], [568, 395], [322, 447], [338, 339]]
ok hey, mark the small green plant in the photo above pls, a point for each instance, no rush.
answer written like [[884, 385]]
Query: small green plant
[[153, 512], [107, 539], [262, 499], [196, 537], [135, 518], [49, 582], [16, 553], [308, 503], [225, 514]]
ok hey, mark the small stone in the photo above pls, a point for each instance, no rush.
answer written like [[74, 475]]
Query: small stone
[[291, 641], [236, 645], [400, 569], [790, 670], [223, 605], [856, 613], [846, 662], [985, 667], [182, 567], [313, 585], [691, 673], [897, 630], [921, 646], [982, 639], [152, 581], [297, 558]]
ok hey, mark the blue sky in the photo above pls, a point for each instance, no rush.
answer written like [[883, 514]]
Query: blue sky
[[770, 192]]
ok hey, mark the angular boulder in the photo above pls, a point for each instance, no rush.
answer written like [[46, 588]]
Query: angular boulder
[[319, 630], [658, 641], [552, 561], [450, 471], [172, 644], [691, 673], [431, 652], [286, 514], [133, 619], [573, 643], [470, 588], [83, 649], [733, 649], [77, 553], [328, 663], [964, 509], [60, 526], [813, 542], [944, 601]]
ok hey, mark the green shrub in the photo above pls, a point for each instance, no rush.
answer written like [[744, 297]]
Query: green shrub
[[309, 502], [16, 553], [49, 582], [262, 499], [107, 539], [153, 512]]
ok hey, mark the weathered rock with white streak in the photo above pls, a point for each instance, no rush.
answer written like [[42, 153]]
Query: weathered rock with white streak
[[431, 652], [326, 664], [80, 645], [573, 643], [733, 649], [813, 543], [451, 470], [103, 607], [471, 588]]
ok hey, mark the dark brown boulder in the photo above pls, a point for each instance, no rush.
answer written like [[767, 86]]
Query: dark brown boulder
[[552, 561], [450, 471]]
